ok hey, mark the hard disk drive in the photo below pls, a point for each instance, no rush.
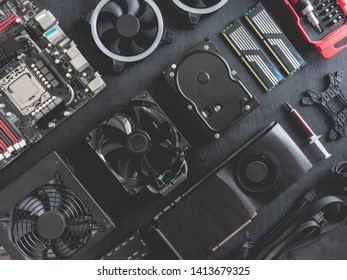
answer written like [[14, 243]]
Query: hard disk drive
[[210, 88]]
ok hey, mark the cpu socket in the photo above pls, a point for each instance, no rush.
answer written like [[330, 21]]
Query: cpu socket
[[24, 90]]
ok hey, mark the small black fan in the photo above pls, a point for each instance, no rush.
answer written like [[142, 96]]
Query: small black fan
[[141, 147], [128, 30], [51, 223], [194, 9]]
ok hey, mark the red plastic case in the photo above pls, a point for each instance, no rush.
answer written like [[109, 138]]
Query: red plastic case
[[331, 44]]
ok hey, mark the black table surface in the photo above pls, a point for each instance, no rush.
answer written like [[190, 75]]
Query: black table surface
[[130, 213]]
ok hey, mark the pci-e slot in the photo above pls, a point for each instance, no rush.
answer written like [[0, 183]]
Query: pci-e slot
[[252, 55], [9, 21]]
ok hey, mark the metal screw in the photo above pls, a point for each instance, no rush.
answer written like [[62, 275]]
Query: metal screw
[[247, 107], [173, 66], [172, 74], [233, 73], [190, 107], [218, 108], [206, 47], [217, 136]]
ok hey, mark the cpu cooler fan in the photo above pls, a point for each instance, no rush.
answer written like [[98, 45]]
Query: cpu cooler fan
[[56, 220], [141, 147], [194, 9], [128, 30]]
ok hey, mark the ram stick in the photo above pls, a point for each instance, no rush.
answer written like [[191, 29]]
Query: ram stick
[[252, 55], [274, 39]]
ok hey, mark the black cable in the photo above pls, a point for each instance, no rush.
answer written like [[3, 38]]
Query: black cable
[[340, 171]]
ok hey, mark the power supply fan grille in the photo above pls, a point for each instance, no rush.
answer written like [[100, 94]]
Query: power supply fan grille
[[129, 27], [50, 223], [139, 143]]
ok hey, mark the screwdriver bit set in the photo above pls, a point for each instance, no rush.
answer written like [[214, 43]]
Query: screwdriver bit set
[[322, 23]]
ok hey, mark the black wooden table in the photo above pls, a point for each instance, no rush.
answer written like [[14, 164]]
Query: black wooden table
[[131, 213]]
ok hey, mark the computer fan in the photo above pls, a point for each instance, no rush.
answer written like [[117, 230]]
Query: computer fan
[[48, 215], [194, 9], [141, 147], [128, 30]]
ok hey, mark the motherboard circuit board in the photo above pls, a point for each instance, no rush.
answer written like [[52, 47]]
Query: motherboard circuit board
[[44, 78]]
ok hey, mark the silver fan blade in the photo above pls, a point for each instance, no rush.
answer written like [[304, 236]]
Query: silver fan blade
[[113, 8], [148, 15], [33, 205], [133, 6], [122, 123]]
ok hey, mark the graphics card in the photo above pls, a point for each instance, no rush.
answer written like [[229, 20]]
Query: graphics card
[[194, 9], [214, 210], [210, 88], [47, 214], [142, 147], [43, 77], [128, 30]]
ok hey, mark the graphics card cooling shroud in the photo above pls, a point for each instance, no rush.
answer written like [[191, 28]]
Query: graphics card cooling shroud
[[128, 30], [142, 148]]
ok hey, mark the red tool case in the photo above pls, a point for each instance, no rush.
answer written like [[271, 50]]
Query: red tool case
[[332, 42]]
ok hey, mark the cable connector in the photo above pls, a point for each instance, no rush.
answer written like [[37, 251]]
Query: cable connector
[[320, 219]]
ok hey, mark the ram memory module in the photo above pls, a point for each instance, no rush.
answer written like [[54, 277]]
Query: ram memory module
[[274, 39], [252, 55]]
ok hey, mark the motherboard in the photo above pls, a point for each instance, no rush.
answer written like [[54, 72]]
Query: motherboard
[[44, 78]]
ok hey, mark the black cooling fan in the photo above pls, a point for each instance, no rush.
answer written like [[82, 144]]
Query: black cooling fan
[[141, 147], [128, 30], [56, 220], [194, 9]]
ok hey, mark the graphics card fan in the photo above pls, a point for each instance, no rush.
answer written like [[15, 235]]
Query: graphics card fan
[[194, 9], [128, 30], [142, 148]]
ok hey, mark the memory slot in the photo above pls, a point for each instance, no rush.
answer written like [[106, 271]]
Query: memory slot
[[274, 38], [252, 55], [5, 139], [8, 132], [13, 129]]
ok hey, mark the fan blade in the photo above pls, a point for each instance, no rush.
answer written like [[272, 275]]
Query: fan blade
[[114, 157], [150, 34], [54, 198], [113, 8], [31, 245], [148, 15], [147, 169], [22, 227], [133, 6], [110, 146], [60, 249], [114, 46], [198, 4], [160, 160], [135, 48], [129, 167], [114, 133], [123, 123], [33, 205], [105, 26], [134, 114]]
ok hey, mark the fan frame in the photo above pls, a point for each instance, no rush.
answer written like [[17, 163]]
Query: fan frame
[[133, 186], [199, 11], [121, 58]]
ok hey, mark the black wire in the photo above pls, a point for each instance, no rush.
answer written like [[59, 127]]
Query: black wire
[[340, 171]]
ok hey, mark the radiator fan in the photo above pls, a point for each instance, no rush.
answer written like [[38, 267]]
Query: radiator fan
[[142, 147], [51, 223], [194, 9], [128, 30]]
